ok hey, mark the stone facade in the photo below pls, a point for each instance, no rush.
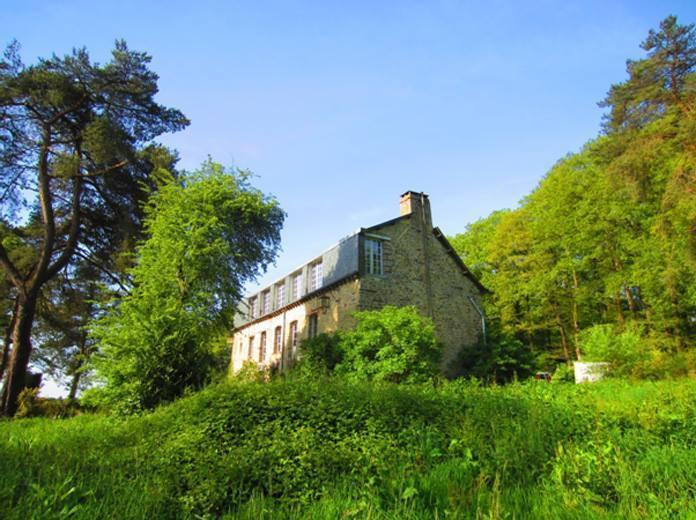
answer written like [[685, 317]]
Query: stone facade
[[404, 261]]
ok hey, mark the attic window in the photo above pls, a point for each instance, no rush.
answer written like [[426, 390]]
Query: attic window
[[266, 302], [254, 307], [280, 295], [374, 257], [316, 277], [297, 286]]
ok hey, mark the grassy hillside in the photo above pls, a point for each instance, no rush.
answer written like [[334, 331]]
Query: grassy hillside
[[329, 449]]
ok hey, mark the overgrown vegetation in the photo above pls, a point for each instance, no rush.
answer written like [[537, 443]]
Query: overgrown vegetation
[[395, 344], [317, 447]]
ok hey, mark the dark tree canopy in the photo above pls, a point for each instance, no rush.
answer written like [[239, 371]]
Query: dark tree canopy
[[76, 158], [658, 83]]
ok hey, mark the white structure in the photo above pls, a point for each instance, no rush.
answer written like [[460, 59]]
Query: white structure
[[589, 372]]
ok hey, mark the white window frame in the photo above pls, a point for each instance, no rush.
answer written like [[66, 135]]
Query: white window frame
[[316, 278], [265, 302], [277, 339], [297, 286], [374, 256], [280, 295]]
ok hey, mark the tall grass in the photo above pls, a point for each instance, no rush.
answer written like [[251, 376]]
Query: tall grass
[[303, 448]]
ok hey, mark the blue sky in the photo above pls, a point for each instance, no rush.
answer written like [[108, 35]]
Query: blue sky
[[339, 107]]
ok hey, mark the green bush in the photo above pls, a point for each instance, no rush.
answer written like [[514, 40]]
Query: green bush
[[501, 358], [320, 354], [31, 405], [394, 344], [631, 352]]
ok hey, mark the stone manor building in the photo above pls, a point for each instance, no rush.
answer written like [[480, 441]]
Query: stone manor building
[[403, 261]]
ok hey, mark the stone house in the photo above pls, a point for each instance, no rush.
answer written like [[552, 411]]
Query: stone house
[[403, 261]]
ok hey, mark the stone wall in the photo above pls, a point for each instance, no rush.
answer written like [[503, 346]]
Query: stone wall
[[420, 272], [334, 308]]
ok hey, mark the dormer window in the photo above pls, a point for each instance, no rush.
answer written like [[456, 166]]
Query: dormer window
[[280, 295], [254, 307], [316, 276], [266, 302], [374, 257], [297, 286]]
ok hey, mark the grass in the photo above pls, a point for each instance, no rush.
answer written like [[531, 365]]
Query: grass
[[325, 448]]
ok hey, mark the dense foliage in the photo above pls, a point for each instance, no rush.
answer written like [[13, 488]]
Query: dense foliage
[[395, 344], [608, 238], [328, 448], [76, 159], [209, 232]]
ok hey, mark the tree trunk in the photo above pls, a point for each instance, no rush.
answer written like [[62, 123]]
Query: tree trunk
[[576, 321], [8, 341], [21, 350], [564, 339], [619, 311], [631, 301], [74, 384], [564, 343]]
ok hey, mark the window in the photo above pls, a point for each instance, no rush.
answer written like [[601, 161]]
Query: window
[[254, 307], [313, 325], [315, 276], [293, 336], [277, 339], [266, 302], [250, 353], [262, 348], [374, 261], [280, 295], [297, 286]]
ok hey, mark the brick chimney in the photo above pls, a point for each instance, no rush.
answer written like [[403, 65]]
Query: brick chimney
[[413, 202]]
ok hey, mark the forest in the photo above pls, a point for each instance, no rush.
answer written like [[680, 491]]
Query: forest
[[599, 261], [121, 274]]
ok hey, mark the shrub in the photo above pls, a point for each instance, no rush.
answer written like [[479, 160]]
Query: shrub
[[502, 358], [393, 344], [31, 405], [321, 353], [633, 353]]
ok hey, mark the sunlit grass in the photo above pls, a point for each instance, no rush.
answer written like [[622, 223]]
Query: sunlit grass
[[326, 448]]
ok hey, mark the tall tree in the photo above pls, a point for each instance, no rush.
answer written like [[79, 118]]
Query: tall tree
[[209, 233], [74, 143], [657, 84], [609, 235]]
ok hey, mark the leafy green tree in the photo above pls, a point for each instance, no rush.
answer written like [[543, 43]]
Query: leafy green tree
[[320, 354], [501, 359], [659, 83], [75, 144], [208, 234], [608, 238], [393, 344]]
